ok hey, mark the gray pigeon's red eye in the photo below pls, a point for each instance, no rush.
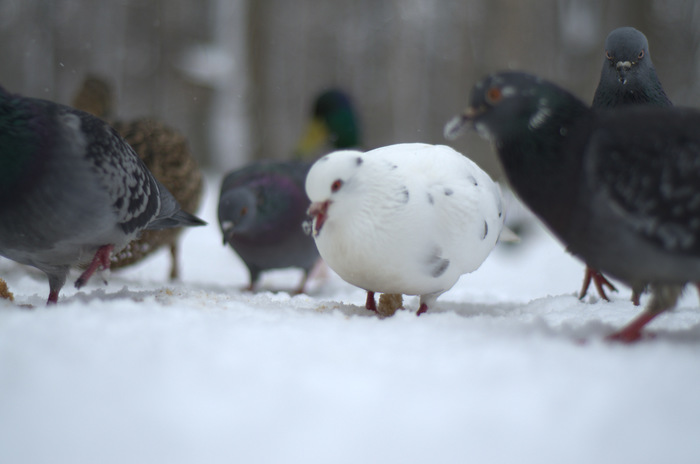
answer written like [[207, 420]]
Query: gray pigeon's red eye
[[244, 211], [641, 55], [608, 55], [494, 95], [335, 186]]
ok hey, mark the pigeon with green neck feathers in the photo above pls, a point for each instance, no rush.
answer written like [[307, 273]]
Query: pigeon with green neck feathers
[[72, 191]]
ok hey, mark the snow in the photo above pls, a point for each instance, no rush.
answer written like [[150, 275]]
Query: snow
[[509, 367]]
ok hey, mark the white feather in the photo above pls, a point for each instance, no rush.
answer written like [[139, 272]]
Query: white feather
[[403, 212]]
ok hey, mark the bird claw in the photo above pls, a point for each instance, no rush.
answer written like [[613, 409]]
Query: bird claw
[[632, 332], [629, 336], [599, 280], [101, 258]]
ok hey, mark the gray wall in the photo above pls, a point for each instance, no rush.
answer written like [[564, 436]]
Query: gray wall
[[238, 76]]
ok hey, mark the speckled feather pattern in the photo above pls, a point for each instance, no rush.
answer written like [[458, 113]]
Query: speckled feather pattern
[[166, 153], [652, 180], [404, 219], [131, 187], [81, 190]]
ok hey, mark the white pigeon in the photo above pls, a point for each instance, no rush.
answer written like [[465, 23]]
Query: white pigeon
[[403, 219]]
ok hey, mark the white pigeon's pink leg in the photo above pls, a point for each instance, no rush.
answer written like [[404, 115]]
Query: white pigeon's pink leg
[[370, 303]]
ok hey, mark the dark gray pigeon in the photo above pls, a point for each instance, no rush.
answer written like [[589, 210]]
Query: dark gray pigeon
[[72, 191], [262, 209], [620, 187], [628, 77]]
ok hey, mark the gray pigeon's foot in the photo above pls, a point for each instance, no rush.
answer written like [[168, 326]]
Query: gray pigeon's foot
[[53, 297], [632, 332], [663, 298], [101, 258], [599, 281], [370, 303]]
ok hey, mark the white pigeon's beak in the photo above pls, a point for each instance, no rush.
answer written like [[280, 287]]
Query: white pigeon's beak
[[319, 211]]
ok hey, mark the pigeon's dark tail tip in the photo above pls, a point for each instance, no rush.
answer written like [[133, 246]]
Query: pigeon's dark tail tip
[[189, 220], [179, 219]]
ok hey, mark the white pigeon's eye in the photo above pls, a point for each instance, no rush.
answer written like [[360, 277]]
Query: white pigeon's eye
[[641, 55], [608, 55], [335, 186], [494, 95]]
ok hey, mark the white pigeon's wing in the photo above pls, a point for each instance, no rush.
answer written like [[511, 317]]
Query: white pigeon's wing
[[468, 210], [454, 204]]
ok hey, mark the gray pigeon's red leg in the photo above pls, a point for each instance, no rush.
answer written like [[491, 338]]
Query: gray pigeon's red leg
[[53, 297], [370, 303], [633, 331], [101, 258], [599, 281], [663, 298]]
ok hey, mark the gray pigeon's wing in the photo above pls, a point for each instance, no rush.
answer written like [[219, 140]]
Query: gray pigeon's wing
[[130, 185], [649, 172]]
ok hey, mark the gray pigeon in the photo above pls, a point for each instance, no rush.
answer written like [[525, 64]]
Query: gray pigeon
[[619, 187], [72, 191], [627, 77], [262, 209]]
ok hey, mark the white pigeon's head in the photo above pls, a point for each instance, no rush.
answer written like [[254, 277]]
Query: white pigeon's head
[[332, 180]]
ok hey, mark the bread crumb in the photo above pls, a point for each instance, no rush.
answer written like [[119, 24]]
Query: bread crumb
[[389, 303], [5, 292]]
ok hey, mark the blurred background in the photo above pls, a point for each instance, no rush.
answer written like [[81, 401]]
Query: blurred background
[[238, 76]]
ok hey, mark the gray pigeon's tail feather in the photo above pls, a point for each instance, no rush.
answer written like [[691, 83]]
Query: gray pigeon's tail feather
[[170, 214], [179, 219]]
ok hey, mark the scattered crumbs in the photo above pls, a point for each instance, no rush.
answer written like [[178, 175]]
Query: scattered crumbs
[[5, 292]]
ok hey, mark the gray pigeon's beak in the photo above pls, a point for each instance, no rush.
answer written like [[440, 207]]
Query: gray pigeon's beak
[[227, 230], [319, 211], [457, 125], [623, 68]]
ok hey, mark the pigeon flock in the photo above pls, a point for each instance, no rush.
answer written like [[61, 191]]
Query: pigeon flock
[[616, 182]]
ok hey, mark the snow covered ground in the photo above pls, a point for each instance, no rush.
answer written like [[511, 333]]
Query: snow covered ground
[[510, 367]]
